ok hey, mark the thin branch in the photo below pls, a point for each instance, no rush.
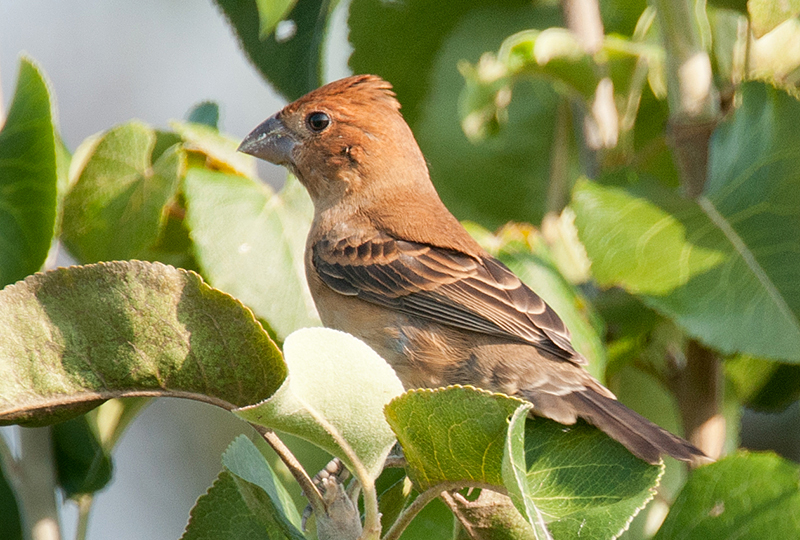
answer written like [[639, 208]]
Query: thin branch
[[37, 490], [693, 99], [698, 388], [84, 509], [300, 475], [408, 515]]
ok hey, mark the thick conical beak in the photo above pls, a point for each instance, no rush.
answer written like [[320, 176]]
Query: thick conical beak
[[270, 141]]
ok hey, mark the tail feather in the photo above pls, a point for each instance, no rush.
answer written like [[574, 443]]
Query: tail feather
[[642, 437]]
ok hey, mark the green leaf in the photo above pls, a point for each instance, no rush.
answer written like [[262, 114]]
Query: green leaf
[[400, 41], [270, 13], [294, 65], [724, 267], [74, 337], [767, 14], [515, 474], [452, 435], [28, 177], [261, 489], [324, 398], [249, 242], [222, 514], [206, 113], [219, 150], [117, 207], [466, 175], [585, 484], [10, 522], [572, 480], [764, 385], [83, 465], [744, 496]]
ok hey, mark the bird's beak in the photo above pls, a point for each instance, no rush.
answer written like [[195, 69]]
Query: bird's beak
[[270, 141]]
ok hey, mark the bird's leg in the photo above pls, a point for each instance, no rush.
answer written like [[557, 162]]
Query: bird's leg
[[327, 480]]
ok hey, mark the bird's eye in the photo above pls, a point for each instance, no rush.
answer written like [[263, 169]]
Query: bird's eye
[[318, 121]]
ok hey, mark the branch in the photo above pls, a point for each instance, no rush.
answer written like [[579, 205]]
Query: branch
[[300, 475], [38, 484], [698, 387], [439, 490], [693, 98]]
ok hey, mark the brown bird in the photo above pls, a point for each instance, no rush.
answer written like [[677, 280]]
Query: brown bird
[[388, 263]]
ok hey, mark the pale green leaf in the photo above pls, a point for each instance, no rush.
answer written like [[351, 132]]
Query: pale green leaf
[[249, 242], [333, 397], [220, 150]]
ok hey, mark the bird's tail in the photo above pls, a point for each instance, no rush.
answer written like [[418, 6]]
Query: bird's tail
[[642, 437]]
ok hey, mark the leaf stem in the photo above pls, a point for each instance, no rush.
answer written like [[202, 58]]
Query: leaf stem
[[295, 468], [693, 99], [84, 509], [698, 388], [38, 484], [408, 515]]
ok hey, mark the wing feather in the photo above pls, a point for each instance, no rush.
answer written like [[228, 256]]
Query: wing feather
[[480, 295]]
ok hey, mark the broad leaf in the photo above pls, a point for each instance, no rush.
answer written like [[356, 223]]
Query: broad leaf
[[585, 484], [453, 435], [293, 64], [249, 242], [333, 397], [27, 177], [417, 46], [571, 480], [74, 337], [261, 489], [724, 267], [117, 208], [744, 496], [222, 514], [220, 151]]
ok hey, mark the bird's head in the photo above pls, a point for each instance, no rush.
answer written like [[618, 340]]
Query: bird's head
[[345, 141]]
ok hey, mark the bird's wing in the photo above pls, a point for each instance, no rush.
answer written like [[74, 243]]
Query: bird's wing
[[480, 295]]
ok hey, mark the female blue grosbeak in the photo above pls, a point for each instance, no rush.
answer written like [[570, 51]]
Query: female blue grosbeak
[[388, 263]]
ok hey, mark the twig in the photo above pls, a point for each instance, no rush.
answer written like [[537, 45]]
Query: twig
[[698, 388], [408, 515], [84, 509], [693, 99], [601, 122], [38, 484], [300, 475]]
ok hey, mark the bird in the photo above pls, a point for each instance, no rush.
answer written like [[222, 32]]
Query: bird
[[388, 263]]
